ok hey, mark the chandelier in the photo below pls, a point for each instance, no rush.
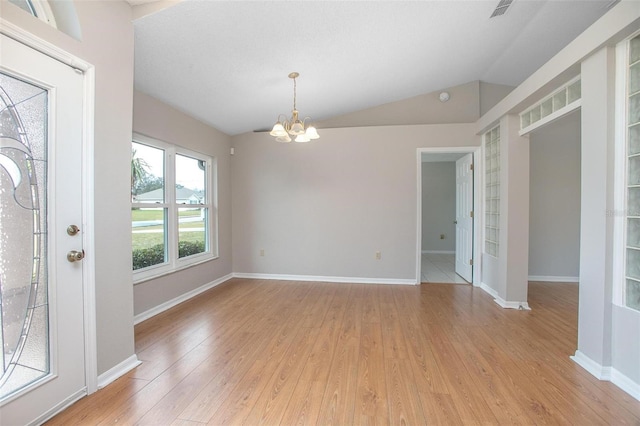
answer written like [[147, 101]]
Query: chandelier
[[285, 128]]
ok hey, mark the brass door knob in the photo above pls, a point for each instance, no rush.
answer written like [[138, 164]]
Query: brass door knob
[[75, 256], [72, 230]]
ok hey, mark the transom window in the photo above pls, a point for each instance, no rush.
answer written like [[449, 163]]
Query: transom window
[[173, 207]]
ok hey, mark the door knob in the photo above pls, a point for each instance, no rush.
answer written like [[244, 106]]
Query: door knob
[[455, 222], [75, 256], [72, 230]]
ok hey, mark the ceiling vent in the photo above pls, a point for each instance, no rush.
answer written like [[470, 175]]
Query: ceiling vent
[[501, 8]]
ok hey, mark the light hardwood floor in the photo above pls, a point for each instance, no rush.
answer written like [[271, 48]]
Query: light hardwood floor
[[252, 352]]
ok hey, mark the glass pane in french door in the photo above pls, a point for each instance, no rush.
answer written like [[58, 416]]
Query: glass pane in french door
[[24, 313]]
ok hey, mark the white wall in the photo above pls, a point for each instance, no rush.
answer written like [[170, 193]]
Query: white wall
[[107, 43], [324, 208], [158, 120], [438, 206], [554, 207]]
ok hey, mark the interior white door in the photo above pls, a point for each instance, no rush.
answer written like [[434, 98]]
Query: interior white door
[[464, 217], [41, 113]]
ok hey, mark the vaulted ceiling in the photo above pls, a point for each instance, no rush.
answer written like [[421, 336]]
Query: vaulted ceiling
[[226, 62]]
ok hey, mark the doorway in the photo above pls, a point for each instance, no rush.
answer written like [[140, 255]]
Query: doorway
[[554, 206], [42, 233], [447, 236]]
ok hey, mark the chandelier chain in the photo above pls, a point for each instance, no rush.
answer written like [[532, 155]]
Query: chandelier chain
[[294, 93]]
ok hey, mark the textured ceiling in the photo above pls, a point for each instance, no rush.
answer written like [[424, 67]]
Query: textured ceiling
[[226, 62]]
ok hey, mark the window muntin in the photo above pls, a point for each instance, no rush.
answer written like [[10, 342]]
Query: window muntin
[[173, 214], [492, 192]]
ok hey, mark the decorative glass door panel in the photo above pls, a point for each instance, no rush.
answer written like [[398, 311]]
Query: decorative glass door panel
[[23, 278], [42, 365]]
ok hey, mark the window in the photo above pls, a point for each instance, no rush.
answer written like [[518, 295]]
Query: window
[[38, 8], [632, 245], [173, 208], [557, 104], [492, 191]]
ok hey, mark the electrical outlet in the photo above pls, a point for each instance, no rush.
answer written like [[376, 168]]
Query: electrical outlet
[[442, 236], [378, 255], [261, 252]]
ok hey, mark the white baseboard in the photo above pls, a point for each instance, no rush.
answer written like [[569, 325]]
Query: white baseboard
[[609, 374], [489, 290], [60, 407], [182, 298], [118, 371], [553, 279], [625, 383], [503, 303], [522, 306], [597, 370], [326, 279], [438, 252]]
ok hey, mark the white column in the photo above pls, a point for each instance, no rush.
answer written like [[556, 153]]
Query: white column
[[596, 227], [514, 214]]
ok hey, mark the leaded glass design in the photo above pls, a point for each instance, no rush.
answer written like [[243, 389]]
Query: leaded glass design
[[492, 192], [632, 270], [24, 312]]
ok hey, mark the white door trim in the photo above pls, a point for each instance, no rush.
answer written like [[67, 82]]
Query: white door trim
[[478, 212], [90, 338]]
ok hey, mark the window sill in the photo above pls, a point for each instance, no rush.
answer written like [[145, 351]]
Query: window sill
[[163, 270]]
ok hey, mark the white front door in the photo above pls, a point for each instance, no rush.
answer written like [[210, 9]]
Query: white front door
[[42, 365], [464, 217]]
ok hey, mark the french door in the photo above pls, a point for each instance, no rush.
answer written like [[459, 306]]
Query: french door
[[42, 365]]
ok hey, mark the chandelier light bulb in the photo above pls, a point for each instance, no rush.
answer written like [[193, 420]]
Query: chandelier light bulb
[[312, 133], [297, 128], [284, 139], [278, 130], [302, 138]]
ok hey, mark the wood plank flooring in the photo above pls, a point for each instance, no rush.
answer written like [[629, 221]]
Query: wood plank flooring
[[270, 352]]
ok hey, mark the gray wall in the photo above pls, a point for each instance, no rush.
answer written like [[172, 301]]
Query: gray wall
[[158, 120], [554, 226], [438, 206], [468, 101], [107, 43], [324, 208]]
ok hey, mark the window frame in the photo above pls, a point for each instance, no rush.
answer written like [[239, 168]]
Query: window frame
[[173, 262]]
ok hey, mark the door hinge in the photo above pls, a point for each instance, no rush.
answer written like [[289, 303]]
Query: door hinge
[[471, 214], [471, 167], [471, 262]]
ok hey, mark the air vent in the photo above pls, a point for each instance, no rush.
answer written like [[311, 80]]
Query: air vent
[[501, 9]]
